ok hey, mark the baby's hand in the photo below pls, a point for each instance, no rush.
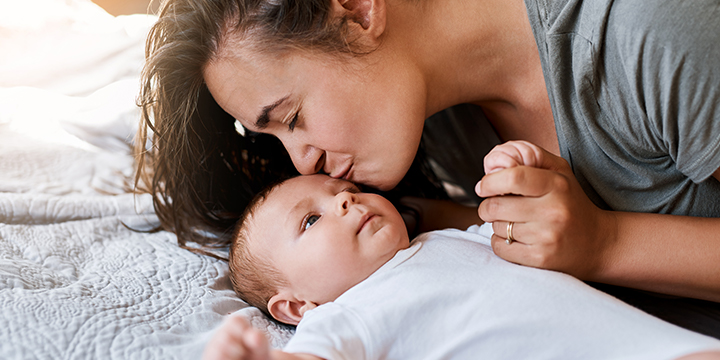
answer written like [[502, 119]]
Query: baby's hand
[[511, 154], [237, 339]]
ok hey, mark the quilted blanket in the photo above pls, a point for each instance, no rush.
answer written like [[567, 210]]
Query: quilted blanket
[[80, 278]]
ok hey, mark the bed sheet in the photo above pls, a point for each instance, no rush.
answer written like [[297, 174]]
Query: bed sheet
[[77, 278]]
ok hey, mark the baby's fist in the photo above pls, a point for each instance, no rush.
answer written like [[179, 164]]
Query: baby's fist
[[511, 154], [237, 339]]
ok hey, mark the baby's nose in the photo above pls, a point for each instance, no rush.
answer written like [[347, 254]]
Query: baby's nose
[[344, 201]]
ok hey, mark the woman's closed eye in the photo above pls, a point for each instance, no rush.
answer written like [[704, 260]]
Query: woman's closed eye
[[309, 220], [293, 122]]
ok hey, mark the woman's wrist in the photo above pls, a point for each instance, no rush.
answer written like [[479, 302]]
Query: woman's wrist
[[669, 254], [609, 252]]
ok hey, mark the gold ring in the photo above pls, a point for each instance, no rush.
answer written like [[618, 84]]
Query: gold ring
[[510, 238]]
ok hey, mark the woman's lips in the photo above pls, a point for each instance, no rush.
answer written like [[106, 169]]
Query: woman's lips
[[344, 174], [348, 174]]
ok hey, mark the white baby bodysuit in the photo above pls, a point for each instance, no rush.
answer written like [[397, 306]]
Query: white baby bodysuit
[[448, 296]]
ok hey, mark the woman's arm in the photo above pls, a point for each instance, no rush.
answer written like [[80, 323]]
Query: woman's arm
[[557, 227], [678, 255]]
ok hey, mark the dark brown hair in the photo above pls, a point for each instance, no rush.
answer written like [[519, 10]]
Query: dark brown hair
[[200, 171]]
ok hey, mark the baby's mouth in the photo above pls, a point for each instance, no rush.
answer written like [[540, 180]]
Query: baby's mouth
[[365, 220]]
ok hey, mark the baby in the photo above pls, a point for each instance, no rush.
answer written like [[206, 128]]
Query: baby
[[315, 252]]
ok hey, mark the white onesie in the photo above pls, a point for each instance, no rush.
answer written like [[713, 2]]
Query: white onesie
[[448, 296]]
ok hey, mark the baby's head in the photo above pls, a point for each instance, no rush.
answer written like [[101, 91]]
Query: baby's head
[[307, 240]]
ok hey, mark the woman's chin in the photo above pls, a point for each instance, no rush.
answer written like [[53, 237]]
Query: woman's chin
[[386, 184], [382, 178]]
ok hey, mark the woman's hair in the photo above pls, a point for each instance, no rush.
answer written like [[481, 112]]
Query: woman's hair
[[200, 171], [252, 277]]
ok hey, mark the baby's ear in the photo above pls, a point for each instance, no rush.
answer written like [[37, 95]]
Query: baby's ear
[[284, 307]]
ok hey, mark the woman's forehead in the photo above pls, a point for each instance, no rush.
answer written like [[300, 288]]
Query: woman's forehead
[[243, 90], [315, 183]]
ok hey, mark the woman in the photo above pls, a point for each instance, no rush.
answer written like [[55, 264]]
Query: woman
[[625, 92]]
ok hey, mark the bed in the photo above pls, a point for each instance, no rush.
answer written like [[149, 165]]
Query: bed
[[79, 278]]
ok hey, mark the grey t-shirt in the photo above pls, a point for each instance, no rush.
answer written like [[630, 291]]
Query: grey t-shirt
[[635, 91]]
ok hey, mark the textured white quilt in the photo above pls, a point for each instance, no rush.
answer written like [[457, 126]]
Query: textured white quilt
[[75, 282]]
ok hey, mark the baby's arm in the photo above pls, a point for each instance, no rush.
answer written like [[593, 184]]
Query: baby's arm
[[705, 355], [237, 339], [511, 154]]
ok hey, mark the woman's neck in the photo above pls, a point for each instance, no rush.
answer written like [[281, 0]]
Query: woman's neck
[[481, 52]]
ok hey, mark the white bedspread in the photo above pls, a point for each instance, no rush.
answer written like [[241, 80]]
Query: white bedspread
[[75, 282]]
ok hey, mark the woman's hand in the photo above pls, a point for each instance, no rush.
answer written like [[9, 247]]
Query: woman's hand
[[555, 225]]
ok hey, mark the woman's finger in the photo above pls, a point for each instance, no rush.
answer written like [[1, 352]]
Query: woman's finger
[[521, 180], [516, 252], [518, 208], [509, 208], [505, 231]]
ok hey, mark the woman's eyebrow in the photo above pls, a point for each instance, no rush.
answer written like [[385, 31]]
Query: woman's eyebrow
[[264, 118]]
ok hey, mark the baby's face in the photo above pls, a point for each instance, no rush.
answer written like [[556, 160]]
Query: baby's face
[[324, 236]]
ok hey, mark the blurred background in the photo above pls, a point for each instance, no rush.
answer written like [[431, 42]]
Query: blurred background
[[127, 7], [70, 69]]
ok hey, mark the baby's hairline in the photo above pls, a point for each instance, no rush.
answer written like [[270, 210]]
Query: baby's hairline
[[267, 276]]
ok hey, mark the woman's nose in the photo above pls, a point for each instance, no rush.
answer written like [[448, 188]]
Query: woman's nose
[[307, 159], [343, 201]]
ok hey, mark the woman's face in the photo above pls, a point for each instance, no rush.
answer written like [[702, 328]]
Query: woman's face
[[358, 119]]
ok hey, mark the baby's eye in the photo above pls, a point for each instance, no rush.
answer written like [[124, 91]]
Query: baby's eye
[[309, 221]]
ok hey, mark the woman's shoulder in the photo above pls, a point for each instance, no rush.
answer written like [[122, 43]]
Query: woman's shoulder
[[661, 19], [665, 24]]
